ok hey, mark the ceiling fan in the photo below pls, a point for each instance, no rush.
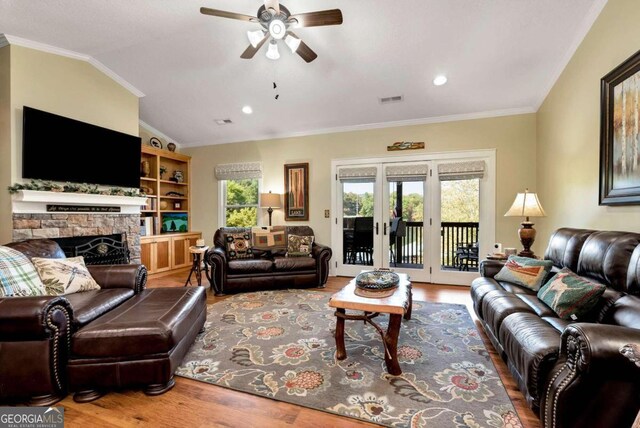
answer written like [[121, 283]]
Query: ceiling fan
[[276, 22]]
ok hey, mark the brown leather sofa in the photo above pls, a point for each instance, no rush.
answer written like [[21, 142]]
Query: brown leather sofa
[[119, 336], [572, 373], [268, 271]]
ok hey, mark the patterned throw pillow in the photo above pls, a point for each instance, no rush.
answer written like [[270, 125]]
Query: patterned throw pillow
[[569, 295], [238, 246], [299, 246], [64, 276], [269, 238], [18, 277], [524, 271]]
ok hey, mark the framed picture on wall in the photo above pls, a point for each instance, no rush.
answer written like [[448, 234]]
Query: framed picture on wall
[[296, 192], [620, 134]]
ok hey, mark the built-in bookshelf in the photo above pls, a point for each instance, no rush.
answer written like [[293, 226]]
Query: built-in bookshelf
[[165, 225]]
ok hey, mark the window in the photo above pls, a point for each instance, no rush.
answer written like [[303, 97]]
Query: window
[[239, 193], [240, 201]]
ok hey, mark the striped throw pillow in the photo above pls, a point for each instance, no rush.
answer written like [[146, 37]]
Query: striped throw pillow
[[18, 276]]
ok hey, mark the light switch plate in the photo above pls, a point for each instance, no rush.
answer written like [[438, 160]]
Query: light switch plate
[[327, 213]]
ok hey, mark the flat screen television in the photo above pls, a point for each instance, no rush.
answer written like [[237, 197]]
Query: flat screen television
[[62, 149]]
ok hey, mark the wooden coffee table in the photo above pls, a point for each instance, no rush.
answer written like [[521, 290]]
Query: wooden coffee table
[[397, 305]]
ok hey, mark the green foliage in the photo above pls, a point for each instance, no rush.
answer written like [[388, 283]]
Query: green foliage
[[242, 217], [242, 192], [93, 189], [460, 200]]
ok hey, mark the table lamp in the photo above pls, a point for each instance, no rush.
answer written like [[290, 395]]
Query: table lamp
[[270, 201], [526, 205]]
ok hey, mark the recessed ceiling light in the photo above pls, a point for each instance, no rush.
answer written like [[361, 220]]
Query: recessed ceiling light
[[440, 80], [247, 110]]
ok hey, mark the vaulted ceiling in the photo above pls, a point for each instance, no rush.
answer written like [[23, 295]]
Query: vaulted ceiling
[[500, 57]]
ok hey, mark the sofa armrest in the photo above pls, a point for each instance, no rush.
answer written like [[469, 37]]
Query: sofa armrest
[[590, 364], [489, 268], [132, 276], [322, 254], [33, 318], [217, 260]]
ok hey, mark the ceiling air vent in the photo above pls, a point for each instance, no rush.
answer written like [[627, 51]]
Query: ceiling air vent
[[224, 122], [388, 100]]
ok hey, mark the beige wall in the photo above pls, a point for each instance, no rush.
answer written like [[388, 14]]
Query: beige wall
[[569, 128], [5, 145], [60, 85], [514, 137]]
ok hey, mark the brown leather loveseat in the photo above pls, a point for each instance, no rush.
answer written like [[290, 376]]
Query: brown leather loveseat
[[572, 373], [89, 342], [267, 271]]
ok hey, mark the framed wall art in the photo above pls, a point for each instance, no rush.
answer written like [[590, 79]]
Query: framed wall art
[[620, 134], [296, 192]]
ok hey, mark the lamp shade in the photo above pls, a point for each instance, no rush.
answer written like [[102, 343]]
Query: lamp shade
[[272, 52], [526, 205], [270, 200], [255, 37], [292, 42]]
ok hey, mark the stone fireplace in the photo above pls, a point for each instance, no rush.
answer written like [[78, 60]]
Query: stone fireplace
[[31, 218]]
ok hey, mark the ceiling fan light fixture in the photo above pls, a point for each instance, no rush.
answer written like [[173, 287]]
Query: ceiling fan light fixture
[[277, 29], [255, 37], [292, 42], [272, 52]]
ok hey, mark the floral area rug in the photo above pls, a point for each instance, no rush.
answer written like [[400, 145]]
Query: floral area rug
[[280, 345]]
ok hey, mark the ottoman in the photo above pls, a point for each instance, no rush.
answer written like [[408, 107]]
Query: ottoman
[[138, 344]]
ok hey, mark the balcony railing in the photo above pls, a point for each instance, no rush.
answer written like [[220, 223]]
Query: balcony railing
[[407, 250], [452, 235]]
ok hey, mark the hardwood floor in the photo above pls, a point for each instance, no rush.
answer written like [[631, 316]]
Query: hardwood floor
[[197, 404]]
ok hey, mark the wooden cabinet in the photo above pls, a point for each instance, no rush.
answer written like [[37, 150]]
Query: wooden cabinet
[[166, 253], [156, 254]]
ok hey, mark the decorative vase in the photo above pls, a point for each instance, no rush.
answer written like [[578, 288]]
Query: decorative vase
[[171, 147], [164, 205], [178, 176], [145, 169]]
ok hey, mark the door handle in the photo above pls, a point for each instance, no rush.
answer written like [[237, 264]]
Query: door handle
[[377, 230], [384, 229]]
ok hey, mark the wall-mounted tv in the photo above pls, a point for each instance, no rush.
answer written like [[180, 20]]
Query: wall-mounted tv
[[62, 149]]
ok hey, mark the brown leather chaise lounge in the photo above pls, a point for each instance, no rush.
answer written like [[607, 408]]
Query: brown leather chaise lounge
[[89, 342], [572, 373], [267, 272]]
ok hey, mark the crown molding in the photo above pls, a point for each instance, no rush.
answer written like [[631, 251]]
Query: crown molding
[[159, 133], [369, 126], [6, 39], [584, 28]]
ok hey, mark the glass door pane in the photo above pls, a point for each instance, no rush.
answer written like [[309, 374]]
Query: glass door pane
[[460, 225], [406, 224], [358, 201]]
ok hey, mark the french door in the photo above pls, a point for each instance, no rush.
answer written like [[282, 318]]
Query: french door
[[382, 208], [431, 217]]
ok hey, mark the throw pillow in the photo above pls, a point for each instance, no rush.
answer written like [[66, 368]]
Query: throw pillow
[[569, 295], [238, 246], [269, 238], [524, 271], [18, 277], [299, 246], [64, 276]]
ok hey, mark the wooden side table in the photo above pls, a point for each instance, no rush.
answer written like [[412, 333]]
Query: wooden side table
[[398, 306], [198, 258]]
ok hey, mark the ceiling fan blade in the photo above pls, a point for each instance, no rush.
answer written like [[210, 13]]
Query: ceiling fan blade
[[251, 51], [272, 4], [316, 19], [224, 14]]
